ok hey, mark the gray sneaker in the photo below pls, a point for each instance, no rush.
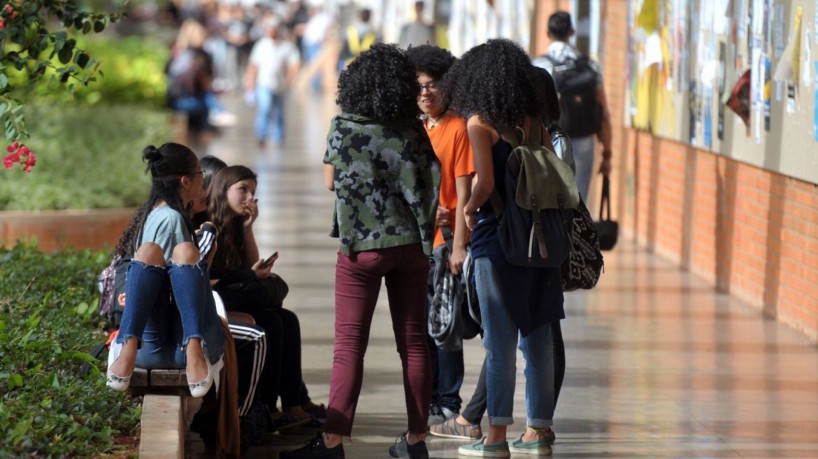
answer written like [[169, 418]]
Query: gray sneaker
[[438, 415], [452, 429]]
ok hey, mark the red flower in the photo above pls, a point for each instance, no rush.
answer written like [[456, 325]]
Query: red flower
[[7, 161], [11, 148]]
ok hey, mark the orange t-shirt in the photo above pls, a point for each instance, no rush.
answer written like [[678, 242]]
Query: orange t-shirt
[[451, 143]]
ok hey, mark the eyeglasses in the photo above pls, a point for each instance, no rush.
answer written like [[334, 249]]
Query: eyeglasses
[[430, 86]]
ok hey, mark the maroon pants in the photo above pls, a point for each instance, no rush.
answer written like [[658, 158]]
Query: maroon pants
[[357, 284]]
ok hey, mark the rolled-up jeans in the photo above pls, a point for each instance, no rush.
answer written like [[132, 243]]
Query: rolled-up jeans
[[500, 338], [164, 325]]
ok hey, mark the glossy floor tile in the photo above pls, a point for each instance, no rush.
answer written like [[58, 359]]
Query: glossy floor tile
[[659, 365]]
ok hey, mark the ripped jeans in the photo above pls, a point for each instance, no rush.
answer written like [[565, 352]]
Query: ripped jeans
[[164, 308]]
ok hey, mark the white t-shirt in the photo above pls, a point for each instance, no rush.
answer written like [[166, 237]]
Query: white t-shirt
[[273, 59]]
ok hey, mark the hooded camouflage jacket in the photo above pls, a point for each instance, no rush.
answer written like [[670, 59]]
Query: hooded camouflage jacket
[[386, 183]]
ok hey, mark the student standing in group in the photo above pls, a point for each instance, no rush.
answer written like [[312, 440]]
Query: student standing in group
[[491, 85], [467, 424], [385, 176], [447, 132], [158, 331]]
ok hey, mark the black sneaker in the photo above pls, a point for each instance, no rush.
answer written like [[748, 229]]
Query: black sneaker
[[315, 449], [402, 448]]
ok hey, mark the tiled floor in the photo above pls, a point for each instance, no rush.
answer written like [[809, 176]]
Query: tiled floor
[[659, 364]]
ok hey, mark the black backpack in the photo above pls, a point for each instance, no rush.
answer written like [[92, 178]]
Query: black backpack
[[576, 82], [539, 198]]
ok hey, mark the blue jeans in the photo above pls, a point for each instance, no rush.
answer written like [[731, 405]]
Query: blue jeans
[[164, 330], [447, 367], [584, 152], [500, 337], [269, 115]]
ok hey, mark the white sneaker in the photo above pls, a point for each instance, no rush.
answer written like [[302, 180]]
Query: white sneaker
[[222, 119]]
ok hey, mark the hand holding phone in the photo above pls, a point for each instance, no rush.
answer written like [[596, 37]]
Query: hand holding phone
[[270, 261]]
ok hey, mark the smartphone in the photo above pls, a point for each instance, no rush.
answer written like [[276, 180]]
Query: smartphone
[[270, 260]]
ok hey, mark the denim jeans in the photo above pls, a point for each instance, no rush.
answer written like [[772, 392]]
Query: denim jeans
[[584, 153], [164, 327], [500, 338], [269, 115]]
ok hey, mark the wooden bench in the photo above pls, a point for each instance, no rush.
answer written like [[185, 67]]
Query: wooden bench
[[165, 406]]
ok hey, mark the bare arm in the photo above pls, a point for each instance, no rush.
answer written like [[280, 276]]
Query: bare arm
[[481, 137], [461, 231], [604, 133], [329, 176], [250, 77]]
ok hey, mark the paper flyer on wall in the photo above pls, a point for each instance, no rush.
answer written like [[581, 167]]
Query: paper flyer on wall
[[815, 109]]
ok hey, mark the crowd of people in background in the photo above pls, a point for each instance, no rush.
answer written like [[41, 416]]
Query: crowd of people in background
[[427, 135]]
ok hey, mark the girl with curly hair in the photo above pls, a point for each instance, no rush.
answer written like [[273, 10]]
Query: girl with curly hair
[[169, 308], [491, 86], [381, 166]]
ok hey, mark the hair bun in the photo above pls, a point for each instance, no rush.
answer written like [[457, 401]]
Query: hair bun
[[151, 154]]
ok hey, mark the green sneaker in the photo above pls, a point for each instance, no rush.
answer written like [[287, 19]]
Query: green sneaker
[[480, 449], [532, 448]]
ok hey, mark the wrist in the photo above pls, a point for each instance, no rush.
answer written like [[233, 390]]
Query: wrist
[[606, 154]]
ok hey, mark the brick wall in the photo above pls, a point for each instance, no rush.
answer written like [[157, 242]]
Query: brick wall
[[751, 232]]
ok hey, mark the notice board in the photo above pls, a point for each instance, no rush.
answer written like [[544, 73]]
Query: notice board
[[736, 77]]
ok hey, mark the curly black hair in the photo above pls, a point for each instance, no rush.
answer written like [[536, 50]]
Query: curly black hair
[[431, 60], [492, 81], [381, 84], [546, 93]]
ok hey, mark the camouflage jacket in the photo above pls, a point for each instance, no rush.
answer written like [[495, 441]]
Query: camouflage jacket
[[386, 183]]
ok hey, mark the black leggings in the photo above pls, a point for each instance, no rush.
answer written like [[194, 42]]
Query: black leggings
[[282, 371]]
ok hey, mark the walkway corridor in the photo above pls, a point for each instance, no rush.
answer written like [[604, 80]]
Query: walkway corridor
[[658, 363]]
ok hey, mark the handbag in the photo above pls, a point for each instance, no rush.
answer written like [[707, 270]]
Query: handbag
[[607, 229], [582, 268]]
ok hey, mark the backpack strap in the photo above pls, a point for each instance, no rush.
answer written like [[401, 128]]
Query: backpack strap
[[448, 236]]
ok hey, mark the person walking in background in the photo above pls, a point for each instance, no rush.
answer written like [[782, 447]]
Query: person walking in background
[[490, 84], [417, 32], [584, 111], [358, 38], [447, 132], [383, 170], [273, 67]]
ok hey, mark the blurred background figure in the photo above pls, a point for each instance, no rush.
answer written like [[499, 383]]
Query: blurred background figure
[[316, 31], [274, 64], [359, 37], [417, 32]]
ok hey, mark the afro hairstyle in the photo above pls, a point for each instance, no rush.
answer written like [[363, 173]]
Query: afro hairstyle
[[380, 84], [431, 60], [492, 81]]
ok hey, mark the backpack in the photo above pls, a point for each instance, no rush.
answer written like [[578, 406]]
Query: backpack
[[576, 82], [582, 268], [111, 286], [452, 301], [540, 195]]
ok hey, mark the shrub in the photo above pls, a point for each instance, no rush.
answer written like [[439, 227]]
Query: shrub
[[132, 72], [48, 324], [89, 157]]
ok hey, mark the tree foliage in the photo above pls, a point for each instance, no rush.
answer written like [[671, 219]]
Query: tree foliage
[[35, 39]]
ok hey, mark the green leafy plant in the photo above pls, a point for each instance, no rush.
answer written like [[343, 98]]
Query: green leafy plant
[[94, 157], [48, 324], [34, 38]]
